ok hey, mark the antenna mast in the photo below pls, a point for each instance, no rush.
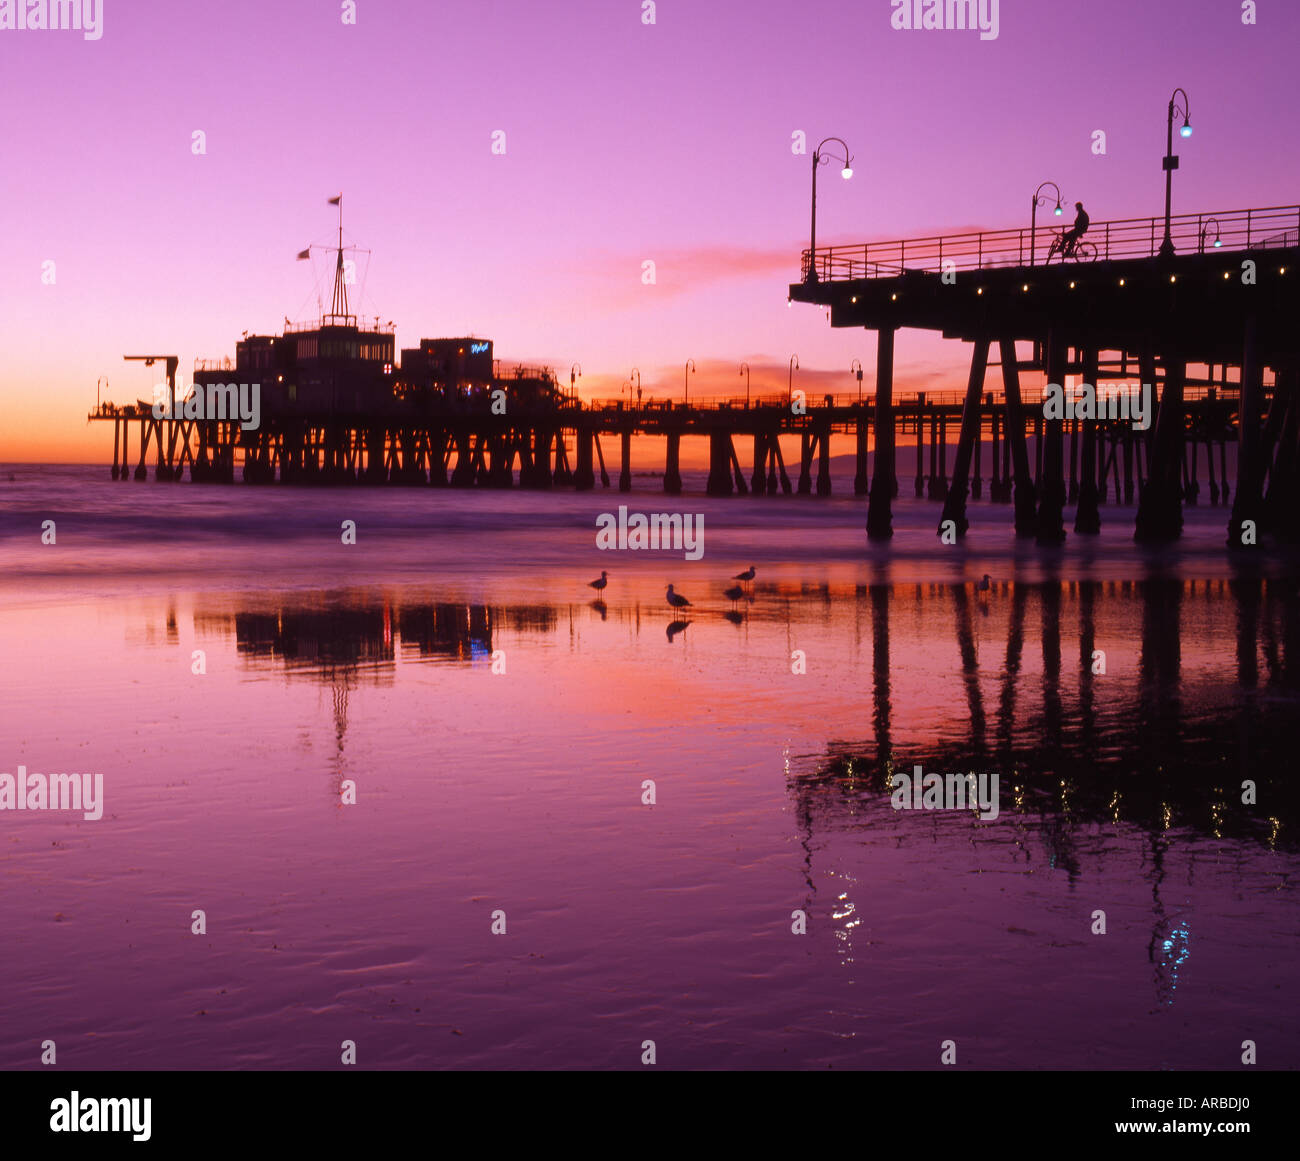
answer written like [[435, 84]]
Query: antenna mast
[[339, 306]]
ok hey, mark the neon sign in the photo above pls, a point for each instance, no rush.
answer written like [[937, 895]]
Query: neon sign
[[478, 348]]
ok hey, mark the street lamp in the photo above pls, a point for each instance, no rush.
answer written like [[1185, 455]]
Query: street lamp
[[856, 367], [1040, 199], [686, 389], [819, 158], [575, 373], [1171, 162], [638, 385], [744, 370], [794, 366], [1205, 229]]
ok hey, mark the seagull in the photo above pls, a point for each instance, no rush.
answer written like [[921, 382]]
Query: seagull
[[676, 599], [600, 582], [734, 593], [984, 585], [747, 575]]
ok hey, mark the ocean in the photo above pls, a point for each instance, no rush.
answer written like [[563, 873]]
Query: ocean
[[428, 793]]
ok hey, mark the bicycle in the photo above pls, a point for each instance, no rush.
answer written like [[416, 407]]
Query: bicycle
[[1076, 249]]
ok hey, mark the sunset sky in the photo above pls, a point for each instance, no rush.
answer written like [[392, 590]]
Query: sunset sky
[[625, 142]]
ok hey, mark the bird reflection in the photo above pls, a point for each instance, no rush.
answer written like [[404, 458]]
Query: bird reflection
[[675, 627]]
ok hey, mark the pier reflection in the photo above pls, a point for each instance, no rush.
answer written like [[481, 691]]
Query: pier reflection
[[1149, 728], [1156, 704]]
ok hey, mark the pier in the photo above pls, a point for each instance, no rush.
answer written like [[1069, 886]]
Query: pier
[[1211, 329], [1225, 298]]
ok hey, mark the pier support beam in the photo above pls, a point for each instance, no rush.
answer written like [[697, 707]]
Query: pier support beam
[[880, 522], [861, 431], [805, 462], [1087, 518], [1247, 503], [672, 465], [758, 479], [1026, 496], [824, 460], [1160, 511], [1051, 506], [920, 444], [625, 455], [720, 456], [954, 505]]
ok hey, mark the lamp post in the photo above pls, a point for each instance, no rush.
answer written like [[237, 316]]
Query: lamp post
[[686, 389], [744, 370], [1205, 229], [819, 158], [575, 373], [1171, 162], [1040, 200], [794, 366], [856, 367], [638, 385]]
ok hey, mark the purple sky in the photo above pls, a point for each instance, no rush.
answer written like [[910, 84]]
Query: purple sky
[[625, 143]]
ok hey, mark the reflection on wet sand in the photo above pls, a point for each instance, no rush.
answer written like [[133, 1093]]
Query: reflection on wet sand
[[1159, 751], [1122, 734]]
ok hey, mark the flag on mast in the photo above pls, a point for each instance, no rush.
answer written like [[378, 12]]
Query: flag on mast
[[336, 201], [303, 254]]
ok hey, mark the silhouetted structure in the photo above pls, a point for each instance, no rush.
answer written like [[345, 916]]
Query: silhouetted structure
[[1231, 305]]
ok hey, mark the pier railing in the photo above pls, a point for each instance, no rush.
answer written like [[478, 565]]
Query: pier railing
[[901, 400], [1264, 228]]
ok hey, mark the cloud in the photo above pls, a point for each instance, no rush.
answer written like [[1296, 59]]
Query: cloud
[[618, 278]]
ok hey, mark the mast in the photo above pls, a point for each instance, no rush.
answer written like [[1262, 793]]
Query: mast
[[339, 306]]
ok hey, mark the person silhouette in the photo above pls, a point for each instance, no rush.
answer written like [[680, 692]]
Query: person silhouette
[[1071, 237]]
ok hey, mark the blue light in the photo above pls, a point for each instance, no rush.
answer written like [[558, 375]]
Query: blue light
[[1186, 130]]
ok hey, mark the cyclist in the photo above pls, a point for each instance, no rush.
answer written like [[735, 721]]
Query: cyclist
[[1070, 239]]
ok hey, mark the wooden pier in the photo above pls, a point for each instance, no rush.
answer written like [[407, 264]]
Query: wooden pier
[[1227, 298], [1212, 329]]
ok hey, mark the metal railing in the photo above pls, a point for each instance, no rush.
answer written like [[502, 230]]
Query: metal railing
[[1112, 383], [1269, 227], [508, 371]]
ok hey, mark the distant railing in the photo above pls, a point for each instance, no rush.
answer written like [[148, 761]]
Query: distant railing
[[1232, 230], [226, 364], [296, 328], [519, 371], [1192, 393]]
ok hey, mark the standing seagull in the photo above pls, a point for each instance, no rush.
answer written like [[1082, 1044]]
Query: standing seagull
[[676, 599], [600, 582], [984, 584], [734, 593], [747, 575]]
